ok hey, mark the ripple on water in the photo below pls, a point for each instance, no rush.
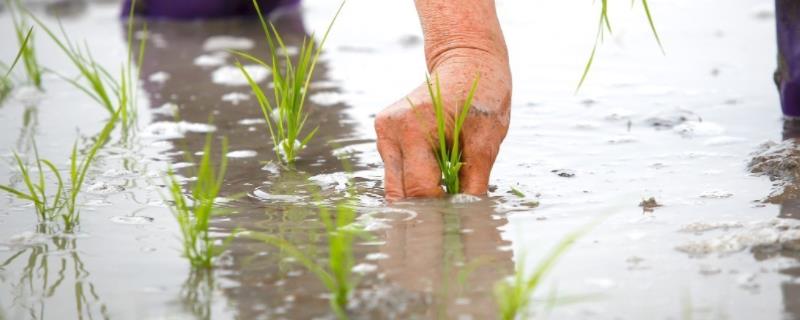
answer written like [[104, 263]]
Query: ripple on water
[[263, 195]]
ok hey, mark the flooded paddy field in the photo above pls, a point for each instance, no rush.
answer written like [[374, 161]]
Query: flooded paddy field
[[697, 129]]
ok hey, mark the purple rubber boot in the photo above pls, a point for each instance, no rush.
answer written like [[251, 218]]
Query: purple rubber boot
[[201, 9], [787, 77]]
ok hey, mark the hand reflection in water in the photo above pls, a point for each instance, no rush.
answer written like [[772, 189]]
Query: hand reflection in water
[[453, 252]]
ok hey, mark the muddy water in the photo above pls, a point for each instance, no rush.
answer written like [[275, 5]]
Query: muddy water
[[685, 128]]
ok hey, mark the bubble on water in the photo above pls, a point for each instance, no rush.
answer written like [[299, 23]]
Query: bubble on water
[[159, 77], [232, 76], [224, 42], [364, 268], [242, 154], [214, 59], [235, 97], [251, 121], [174, 130], [132, 219]]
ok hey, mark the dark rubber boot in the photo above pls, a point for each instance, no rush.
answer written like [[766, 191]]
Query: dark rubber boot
[[201, 9], [787, 77]]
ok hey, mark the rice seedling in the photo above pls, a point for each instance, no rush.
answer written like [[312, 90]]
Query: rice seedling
[[337, 275], [513, 296], [286, 118], [79, 168], [448, 157], [98, 83], [605, 25], [46, 206], [194, 214], [25, 40], [5, 82]]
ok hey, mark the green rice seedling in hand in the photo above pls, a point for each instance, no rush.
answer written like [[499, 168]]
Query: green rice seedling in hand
[[46, 206], [448, 157], [605, 25], [25, 40], [286, 118], [337, 275], [194, 215], [513, 296]]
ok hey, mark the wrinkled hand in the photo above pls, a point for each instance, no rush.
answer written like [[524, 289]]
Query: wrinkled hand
[[407, 135]]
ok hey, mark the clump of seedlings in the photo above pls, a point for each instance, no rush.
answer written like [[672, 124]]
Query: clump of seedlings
[[78, 169], [98, 82], [286, 118], [25, 40], [605, 25], [514, 295], [448, 157], [36, 187], [337, 275], [194, 213], [64, 203]]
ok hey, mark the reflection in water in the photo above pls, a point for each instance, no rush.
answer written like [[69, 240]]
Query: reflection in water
[[450, 252], [443, 262], [197, 293], [48, 270], [789, 209]]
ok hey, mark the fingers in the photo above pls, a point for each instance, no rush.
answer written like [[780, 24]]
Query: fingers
[[478, 156], [392, 158], [421, 175]]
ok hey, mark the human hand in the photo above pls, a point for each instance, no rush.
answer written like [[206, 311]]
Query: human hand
[[407, 134]]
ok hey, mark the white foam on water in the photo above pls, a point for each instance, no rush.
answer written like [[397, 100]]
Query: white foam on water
[[327, 98], [232, 76], [158, 77], [174, 130], [242, 154], [215, 43], [214, 59], [235, 97], [251, 121]]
